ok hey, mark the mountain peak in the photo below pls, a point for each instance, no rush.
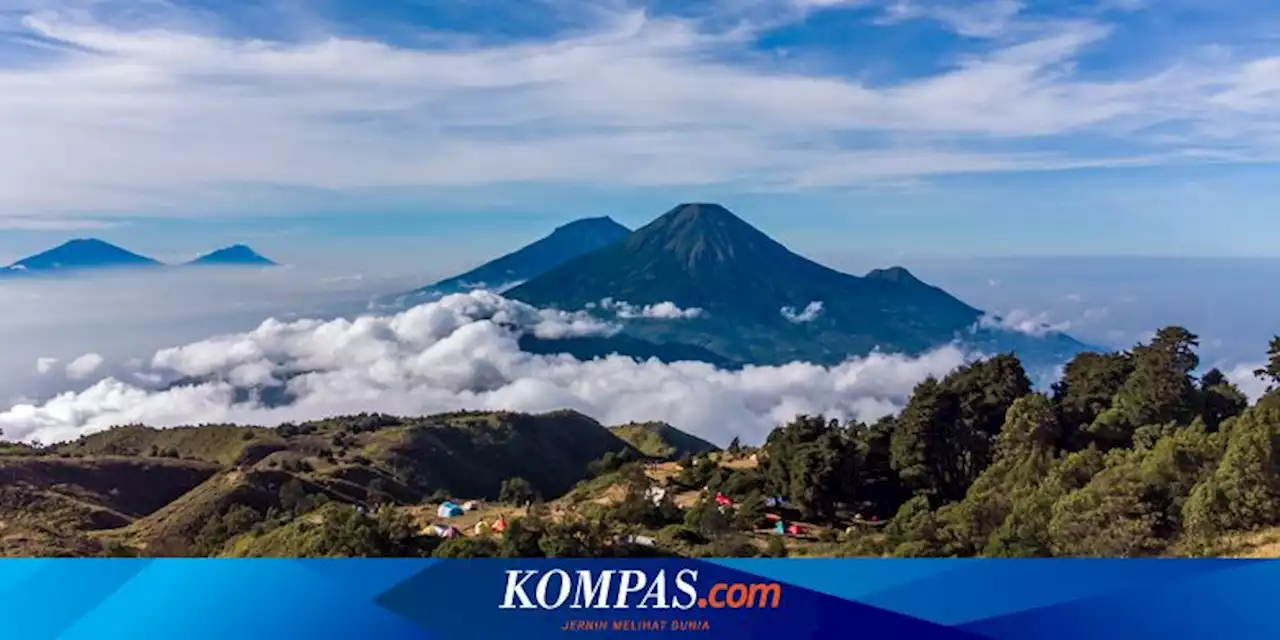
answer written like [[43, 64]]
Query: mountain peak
[[591, 224], [705, 213], [588, 232], [703, 234], [234, 255], [82, 254], [894, 274]]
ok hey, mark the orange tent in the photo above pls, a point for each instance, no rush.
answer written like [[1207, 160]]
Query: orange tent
[[499, 525]]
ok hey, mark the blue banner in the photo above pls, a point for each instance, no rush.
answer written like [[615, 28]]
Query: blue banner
[[795, 598]]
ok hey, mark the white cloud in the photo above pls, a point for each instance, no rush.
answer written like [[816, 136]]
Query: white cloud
[[45, 365], [1020, 321], [809, 314], [84, 366], [1251, 385], [461, 352], [635, 100], [660, 311]]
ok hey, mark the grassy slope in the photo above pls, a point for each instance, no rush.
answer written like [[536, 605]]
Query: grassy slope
[[107, 486], [471, 454], [661, 440], [223, 445]]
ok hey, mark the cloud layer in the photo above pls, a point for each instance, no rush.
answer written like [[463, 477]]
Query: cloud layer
[[216, 117], [461, 352]]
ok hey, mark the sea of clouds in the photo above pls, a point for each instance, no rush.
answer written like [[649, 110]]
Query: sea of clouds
[[460, 352], [86, 355]]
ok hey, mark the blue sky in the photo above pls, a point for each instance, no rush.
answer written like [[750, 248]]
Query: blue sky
[[402, 133]]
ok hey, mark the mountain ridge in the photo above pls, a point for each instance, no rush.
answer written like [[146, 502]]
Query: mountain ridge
[[565, 242]]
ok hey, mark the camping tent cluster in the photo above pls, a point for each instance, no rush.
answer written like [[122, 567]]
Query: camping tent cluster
[[781, 528], [724, 503], [450, 509], [483, 528]]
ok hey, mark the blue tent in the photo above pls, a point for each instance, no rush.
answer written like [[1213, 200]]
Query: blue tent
[[779, 529], [449, 510]]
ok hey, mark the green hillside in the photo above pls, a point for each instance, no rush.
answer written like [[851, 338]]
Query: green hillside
[[219, 444], [661, 440]]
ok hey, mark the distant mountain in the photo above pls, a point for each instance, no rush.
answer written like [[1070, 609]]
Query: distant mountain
[[566, 242], [234, 255], [90, 254], [764, 304], [82, 254]]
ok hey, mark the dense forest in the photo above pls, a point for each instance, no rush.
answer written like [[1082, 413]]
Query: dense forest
[[1129, 454]]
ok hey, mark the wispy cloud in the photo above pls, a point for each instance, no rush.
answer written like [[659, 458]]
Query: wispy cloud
[[809, 314], [633, 99], [975, 18], [658, 311], [55, 224], [1020, 321]]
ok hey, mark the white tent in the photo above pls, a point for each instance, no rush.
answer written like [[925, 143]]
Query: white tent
[[444, 531], [449, 510], [644, 541]]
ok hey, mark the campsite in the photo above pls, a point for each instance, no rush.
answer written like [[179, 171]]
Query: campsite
[[459, 518]]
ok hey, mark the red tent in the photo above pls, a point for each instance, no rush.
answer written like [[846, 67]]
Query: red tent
[[723, 501], [772, 516], [794, 530]]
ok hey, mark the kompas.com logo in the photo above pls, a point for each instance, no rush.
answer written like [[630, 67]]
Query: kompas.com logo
[[631, 589]]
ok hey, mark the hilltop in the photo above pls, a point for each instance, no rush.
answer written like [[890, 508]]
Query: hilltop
[[764, 303], [566, 242], [661, 440]]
